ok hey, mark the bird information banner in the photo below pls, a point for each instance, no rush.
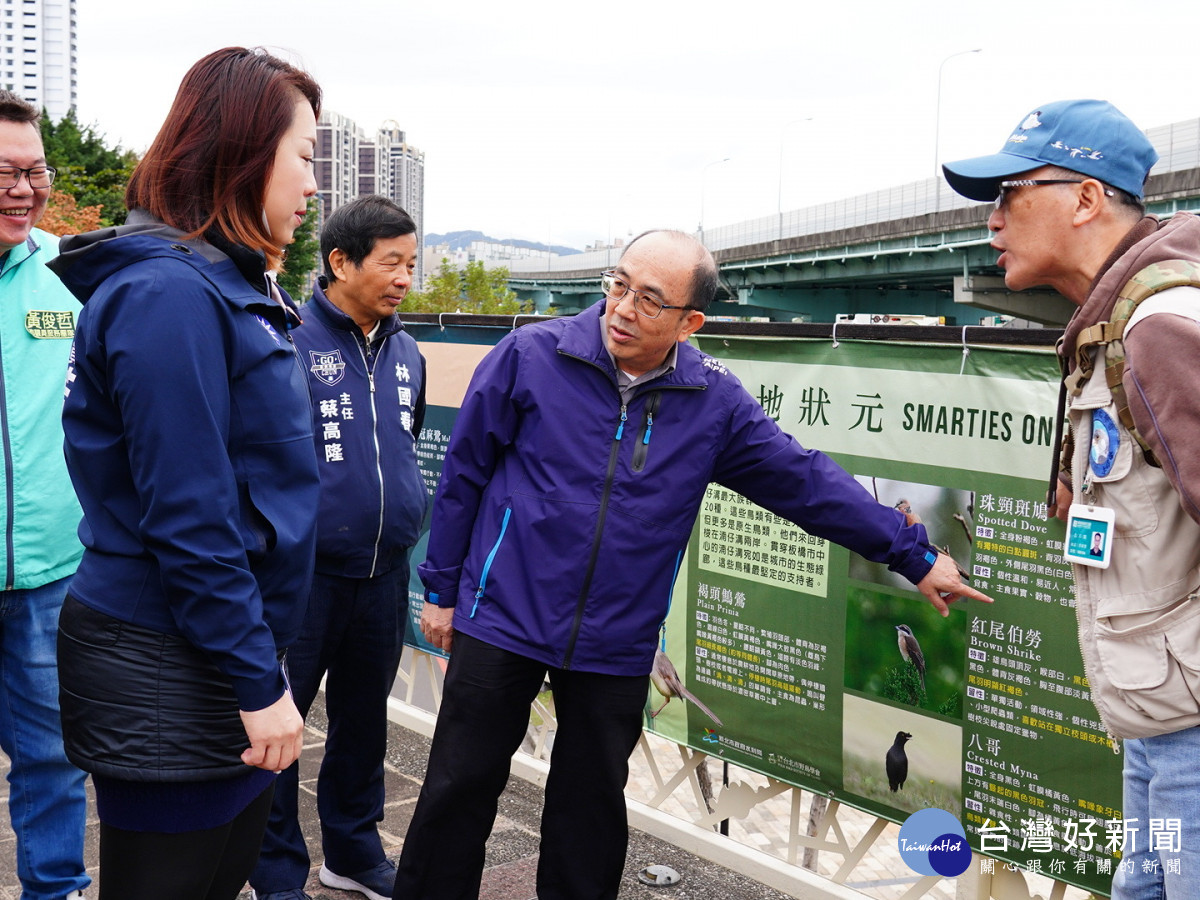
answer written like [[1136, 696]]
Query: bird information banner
[[822, 669], [795, 658]]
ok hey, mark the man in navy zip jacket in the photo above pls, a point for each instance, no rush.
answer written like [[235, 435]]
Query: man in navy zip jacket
[[573, 477], [367, 379]]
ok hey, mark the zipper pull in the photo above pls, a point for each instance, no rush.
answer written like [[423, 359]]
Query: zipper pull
[[621, 427], [475, 605], [649, 425], [371, 381]]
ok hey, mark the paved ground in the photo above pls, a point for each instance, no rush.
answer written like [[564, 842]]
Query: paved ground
[[512, 850]]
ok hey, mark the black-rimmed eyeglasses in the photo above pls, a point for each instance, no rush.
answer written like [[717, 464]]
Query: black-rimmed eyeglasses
[[39, 176], [646, 305], [1005, 186]]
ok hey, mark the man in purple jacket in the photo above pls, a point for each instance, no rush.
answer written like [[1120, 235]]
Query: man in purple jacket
[[577, 465]]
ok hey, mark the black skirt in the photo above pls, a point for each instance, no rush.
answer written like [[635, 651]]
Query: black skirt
[[139, 705]]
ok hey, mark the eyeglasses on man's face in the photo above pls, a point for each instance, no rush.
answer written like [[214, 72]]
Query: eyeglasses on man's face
[[39, 176], [645, 304], [1005, 186]]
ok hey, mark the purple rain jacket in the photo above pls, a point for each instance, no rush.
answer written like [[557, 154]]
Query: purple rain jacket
[[562, 516]]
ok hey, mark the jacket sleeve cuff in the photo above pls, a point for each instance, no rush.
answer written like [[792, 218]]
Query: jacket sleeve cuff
[[256, 694], [441, 585], [443, 601], [916, 563]]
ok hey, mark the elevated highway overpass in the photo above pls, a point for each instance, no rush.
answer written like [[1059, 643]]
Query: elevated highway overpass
[[913, 249]]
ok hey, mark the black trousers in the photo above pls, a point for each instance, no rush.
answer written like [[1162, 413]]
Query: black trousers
[[483, 718], [194, 865], [354, 631]]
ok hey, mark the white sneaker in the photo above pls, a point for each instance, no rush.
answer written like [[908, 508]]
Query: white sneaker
[[376, 883]]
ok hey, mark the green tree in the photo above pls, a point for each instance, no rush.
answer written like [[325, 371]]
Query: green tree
[[903, 684], [303, 257], [89, 170], [473, 289]]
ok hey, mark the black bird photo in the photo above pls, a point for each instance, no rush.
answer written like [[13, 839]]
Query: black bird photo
[[897, 761]]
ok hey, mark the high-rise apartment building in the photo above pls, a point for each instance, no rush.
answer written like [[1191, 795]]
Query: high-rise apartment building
[[37, 53], [402, 179], [336, 162], [405, 169], [348, 164]]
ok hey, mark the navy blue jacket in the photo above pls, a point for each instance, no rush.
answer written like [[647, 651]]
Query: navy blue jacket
[[189, 441], [562, 516], [368, 406]]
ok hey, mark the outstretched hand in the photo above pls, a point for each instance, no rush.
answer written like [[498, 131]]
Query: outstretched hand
[[943, 584]]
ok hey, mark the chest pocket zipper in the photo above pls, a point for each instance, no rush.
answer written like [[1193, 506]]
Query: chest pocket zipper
[[642, 448]]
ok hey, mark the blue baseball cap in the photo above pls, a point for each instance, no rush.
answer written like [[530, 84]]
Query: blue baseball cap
[[1091, 137]]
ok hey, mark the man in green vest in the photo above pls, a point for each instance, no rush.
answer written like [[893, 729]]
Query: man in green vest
[[39, 517]]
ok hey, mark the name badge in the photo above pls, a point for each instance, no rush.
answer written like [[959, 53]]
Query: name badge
[[50, 324], [1089, 535]]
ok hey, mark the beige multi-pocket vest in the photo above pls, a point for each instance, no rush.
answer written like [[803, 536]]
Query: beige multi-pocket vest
[[1139, 619]]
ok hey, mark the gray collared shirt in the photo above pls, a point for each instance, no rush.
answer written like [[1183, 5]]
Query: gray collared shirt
[[627, 383]]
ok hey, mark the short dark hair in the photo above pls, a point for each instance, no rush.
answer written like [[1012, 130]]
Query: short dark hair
[[705, 278], [17, 109], [211, 162], [1123, 198], [356, 226]]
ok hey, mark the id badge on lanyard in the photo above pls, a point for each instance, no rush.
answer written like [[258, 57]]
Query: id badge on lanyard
[[1089, 526], [1089, 535]]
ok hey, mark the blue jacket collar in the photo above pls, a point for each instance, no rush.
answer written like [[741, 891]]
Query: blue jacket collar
[[333, 317], [86, 260]]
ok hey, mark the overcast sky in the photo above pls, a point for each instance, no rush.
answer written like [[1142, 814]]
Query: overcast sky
[[573, 122]]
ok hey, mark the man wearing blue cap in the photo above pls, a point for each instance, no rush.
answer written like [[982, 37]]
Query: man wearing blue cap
[[1068, 188]]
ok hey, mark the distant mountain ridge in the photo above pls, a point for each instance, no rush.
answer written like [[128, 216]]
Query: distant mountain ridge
[[460, 240]]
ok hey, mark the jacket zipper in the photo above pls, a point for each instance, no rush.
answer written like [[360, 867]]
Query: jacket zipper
[[10, 564], [487, 563], [370, 367], [662, 627], [608, 483], [581, 603], [1085, 488], [10, 576]]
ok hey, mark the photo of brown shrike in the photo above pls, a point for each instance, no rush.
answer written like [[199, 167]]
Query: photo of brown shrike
[[911, 650]]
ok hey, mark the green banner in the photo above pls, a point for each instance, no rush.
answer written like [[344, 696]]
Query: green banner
[[793, 645]]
